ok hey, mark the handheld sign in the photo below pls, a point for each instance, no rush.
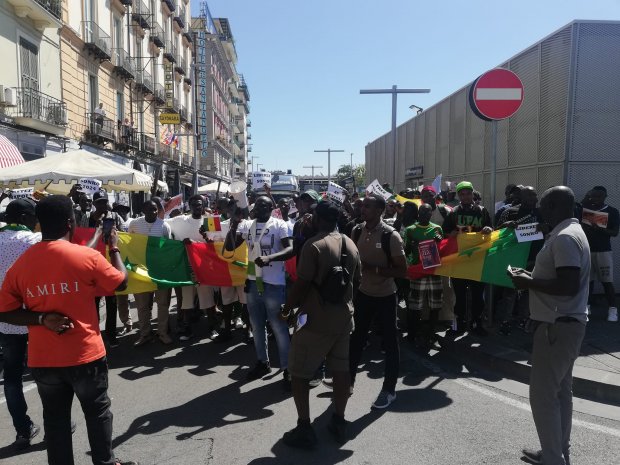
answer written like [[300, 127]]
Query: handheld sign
[[89, 185], [376, 188], [335, 192], [593, 217], [528, 232], [259, 179], [25, 193]]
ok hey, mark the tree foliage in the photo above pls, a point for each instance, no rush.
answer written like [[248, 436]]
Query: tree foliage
[[359, 173]]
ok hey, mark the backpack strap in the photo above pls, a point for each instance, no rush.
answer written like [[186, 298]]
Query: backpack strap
[[386, 237]]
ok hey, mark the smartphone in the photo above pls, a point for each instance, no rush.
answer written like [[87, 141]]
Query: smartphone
[[108, 224]]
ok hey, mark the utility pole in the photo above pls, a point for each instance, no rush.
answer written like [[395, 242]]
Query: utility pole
[[352, 175], [394, 91], [253, 166], [313, 167], [329, 161]]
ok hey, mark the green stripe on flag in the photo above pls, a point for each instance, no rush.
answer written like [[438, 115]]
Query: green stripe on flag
[[167, 263], [506, 250]]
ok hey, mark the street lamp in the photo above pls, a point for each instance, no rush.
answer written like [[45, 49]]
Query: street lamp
[[417, 109], [329, 161], [257, 165]]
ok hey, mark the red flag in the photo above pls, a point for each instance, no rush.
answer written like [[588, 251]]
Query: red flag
[[212, 265], [82, 236]]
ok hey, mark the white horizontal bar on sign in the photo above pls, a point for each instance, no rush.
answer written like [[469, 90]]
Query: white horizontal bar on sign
[[498, 94]]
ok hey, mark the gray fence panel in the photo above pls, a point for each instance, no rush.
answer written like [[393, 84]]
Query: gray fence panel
[[430, 142], [474, 148], [458, 104], [443, 137]]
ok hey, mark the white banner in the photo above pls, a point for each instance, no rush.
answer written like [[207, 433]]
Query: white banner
[[336, 192], [375, 188], [528, 232], [25, 193], [260, 178], [89, 185]]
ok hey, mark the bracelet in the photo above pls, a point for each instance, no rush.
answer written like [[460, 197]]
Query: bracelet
[[41, 318], [114, 250]]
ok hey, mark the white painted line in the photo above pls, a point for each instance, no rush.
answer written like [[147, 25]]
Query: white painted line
[[498, 94], [523, 406], [28, 387]]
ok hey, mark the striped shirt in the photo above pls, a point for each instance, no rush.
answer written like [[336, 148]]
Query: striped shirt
[[156, 229]]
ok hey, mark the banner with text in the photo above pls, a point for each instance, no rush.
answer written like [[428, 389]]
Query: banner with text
[[90, 185], [336, 192], [260, 178], [375, 188]]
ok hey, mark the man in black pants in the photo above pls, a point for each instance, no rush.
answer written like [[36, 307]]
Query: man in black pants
[[383, 259], [467, 217]]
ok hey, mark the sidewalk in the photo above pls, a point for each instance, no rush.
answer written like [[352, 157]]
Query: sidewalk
[[596, 375]]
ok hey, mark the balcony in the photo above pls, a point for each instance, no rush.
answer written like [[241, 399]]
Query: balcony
[[169, 51], [39, 111], [144, 82], [170, 4], [44, 13], [157, 35], [243, 87], [176, 105], [96, 42], [141, 14], [124, 65], [188, 36], [165, 152], [159, 94], [179, 18], [248, 123], [99, 129], [147, 145], [128, 137], [181, 65], [188, 80]]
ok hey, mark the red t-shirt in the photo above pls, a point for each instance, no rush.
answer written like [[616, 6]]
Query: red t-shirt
[[62, 277]]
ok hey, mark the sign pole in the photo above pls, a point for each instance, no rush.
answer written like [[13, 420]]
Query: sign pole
[[493, 166]]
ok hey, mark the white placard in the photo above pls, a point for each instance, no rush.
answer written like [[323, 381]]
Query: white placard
[[90, 185], [375, 188], [528, 232], [25, 193], [122, 198], [259, 179], [336, 192]]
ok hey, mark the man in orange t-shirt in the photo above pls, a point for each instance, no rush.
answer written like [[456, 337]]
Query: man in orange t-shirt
[[51, 288]]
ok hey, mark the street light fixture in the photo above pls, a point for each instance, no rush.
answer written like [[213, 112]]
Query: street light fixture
[[329, 161], [416, 108]]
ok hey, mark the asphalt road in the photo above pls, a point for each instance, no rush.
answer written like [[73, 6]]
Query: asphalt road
[[189, 404]]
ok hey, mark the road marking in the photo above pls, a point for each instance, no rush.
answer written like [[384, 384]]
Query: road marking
[[28, 387]]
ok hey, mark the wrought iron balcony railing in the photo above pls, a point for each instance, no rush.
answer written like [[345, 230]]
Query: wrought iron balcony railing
[[141, 14], [39, 106], [99, 129], [124, 65], [156, 35], [144, 82], [53, 6], [96, 41]]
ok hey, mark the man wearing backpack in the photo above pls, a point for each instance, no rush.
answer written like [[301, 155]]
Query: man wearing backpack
[[383, 259], [328, 271], [468, 217]]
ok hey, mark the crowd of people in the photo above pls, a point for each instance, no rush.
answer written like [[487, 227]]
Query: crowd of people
[[333, 272]]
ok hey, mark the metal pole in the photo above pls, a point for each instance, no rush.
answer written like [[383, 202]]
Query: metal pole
[[329, 153], [195, 123], [493, 166], [312, 167]]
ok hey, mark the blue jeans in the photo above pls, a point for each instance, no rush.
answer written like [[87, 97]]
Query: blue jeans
[[89, 383], [14, 347], [263, 308]]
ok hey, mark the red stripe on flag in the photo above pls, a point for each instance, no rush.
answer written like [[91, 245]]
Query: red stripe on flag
[[9, 154], [82, 236], [207, 266], [217, 223]]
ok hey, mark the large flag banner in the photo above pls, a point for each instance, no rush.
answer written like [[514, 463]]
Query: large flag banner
[[82, 236], [214, 266], [478, 257]]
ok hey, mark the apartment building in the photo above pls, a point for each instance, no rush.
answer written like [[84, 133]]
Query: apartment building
[[33, 115], [123, 63]]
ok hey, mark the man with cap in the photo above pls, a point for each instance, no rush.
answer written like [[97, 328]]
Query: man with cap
[[94, 219], [468, 217], [15, 238], [325, 334]]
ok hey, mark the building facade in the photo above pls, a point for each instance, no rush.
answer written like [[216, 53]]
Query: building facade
[[566, 131]]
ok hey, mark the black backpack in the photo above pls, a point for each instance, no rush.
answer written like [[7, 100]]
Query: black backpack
[[335, 284], [385, 239]]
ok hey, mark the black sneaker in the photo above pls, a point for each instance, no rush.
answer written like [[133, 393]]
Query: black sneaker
[[286, 381], [260, 369], [534, 456], [301, 437], [480, 331], [338, 427], [22, 441]]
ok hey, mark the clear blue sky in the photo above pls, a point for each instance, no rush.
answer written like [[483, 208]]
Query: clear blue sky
[[305, 62]]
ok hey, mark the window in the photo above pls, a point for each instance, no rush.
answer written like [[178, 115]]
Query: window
[[120, 106], [29, 56], [90, 10], [93, 92], [118, 32]]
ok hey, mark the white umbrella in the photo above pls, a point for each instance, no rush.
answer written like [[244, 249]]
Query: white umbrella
[[213, 187], [57, 173]]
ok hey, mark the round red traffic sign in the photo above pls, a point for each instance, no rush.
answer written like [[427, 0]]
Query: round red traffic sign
[[496, 95]]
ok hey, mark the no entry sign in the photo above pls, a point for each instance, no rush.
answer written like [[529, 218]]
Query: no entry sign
[[496, 95]]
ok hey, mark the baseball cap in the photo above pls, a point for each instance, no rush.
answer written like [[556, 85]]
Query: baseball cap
[[101, 195], [429, 189], [327, 211], [312, 194], [20, 207], [464, 185]]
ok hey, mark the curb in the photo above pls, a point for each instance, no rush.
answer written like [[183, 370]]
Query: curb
[[588, 383]]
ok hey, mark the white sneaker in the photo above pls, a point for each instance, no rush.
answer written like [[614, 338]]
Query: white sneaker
[[238, 323], [384, 399], [612, 315], [588, 311]]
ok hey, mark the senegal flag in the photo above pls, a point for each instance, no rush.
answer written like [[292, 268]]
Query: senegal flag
[[215, 266], [478, 257], [153, 263]]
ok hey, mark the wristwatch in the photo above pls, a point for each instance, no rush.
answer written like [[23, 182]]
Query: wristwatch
[[112, 250]]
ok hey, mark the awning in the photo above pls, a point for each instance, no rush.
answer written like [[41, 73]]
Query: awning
[[213, 187], [9, 154]]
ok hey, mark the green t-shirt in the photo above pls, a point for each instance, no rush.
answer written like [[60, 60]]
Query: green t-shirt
[[416, 233]]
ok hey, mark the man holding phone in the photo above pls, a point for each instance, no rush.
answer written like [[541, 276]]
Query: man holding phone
[[65, 350]]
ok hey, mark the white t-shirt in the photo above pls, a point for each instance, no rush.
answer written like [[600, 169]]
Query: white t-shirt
[[185, 227], [270, 243], [156, 229], [13, 244]]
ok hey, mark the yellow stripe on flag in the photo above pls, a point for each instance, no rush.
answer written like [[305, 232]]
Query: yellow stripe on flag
[[468, 262], [237, 262], [402, 200], [133, 254]]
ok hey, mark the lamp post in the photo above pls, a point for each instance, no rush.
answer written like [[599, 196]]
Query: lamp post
[[257, 165], [329, 160], [394, 91]]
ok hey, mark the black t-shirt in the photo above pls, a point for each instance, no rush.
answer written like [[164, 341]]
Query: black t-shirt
[[598, 240], [521, 215], [470, 218]]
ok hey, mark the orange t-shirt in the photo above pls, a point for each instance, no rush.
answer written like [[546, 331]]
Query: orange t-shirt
[[62, 277]]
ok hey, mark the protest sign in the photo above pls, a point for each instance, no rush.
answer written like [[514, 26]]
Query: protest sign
[[89, 185], [25, 193], [259, 179], [174, 202], [122, 198], [528, 232], [593, 217], [429, 254], [375, 188], [335, 192]]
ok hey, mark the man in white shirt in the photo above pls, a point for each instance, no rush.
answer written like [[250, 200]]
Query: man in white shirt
[[187, 228], [15, 238], [151, 225], [269, 245]]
